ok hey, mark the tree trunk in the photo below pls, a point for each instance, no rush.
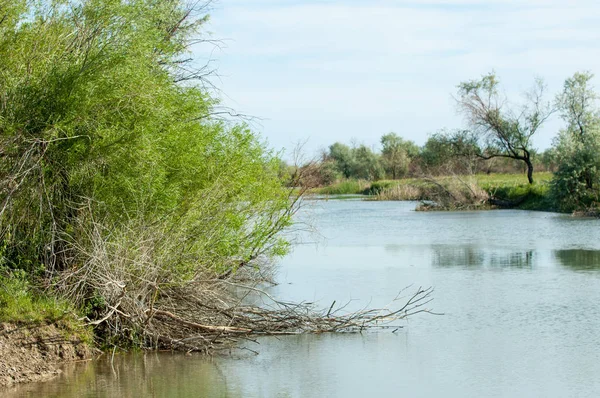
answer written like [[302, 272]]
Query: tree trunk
[[529, 169]]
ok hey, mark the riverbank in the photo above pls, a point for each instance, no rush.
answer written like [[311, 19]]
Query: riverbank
[[472, 192], [34, 353], [37, 332]]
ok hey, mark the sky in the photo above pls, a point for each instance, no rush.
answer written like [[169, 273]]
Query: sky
[[318, 72]]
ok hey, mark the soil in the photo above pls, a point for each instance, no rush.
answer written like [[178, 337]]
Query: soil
[[33, 353]]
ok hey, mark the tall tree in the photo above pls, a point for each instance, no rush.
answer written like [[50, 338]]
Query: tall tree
[[503, 131], [577, 146], [343, 158], [396, 154], [367, 165], [578, 105]]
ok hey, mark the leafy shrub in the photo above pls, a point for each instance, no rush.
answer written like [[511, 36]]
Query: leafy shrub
[[115, 178]]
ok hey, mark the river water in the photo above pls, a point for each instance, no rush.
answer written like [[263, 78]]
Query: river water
[[520, 293]]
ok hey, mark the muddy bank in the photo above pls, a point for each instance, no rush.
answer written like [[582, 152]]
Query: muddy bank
[[33, 353]]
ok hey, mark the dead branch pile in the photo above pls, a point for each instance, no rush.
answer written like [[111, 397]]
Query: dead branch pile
[[187, 322], [211, 314]]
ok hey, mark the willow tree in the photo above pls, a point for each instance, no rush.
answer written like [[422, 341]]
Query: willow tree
[[109, 148], [575, 183], [396, 154], [503, 130]]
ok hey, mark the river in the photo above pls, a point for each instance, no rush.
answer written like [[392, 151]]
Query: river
[[520, 294]]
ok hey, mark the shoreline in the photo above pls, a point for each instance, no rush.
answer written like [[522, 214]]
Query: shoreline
[[471, 192], [34, 353]]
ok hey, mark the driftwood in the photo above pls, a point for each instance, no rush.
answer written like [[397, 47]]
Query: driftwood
[[180, 328], [208, 328]]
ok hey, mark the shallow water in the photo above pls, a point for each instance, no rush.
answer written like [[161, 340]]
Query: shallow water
[[520, 293]]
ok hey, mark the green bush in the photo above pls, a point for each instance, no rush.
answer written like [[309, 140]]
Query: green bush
[[576, 183], [378, 187], [105, 125], [116, 180]]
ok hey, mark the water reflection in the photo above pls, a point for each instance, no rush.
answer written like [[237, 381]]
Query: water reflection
[[516, 259], [461, 256], [475, 256], [151, 375], [579, 260]]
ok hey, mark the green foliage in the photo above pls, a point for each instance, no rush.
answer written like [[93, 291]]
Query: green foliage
[[437, 151], [356, 163], [451, 151], [548, 159], [526, 196], [470, 190], [366, 164], [397, 154], [578, 105], [105, 129], [328, 173], [343, 158], [487, 84], [577, 179], [378, 187]]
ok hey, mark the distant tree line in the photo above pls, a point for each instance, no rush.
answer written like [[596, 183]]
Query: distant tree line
[[445, 152], [497, 138]]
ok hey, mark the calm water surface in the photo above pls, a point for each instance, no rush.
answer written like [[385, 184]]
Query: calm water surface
[[520, 292]]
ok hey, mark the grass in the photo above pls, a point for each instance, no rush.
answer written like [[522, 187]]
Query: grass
[[487, 180], [531, 196], [344, 187], [507, 188], [21, 304], [397, 192]]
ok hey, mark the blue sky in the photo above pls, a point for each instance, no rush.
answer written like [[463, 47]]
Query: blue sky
[[326, 71]]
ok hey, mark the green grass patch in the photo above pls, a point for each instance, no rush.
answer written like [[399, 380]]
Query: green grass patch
[[383, 185], [515, 188], [21, 303], [488, 180], [485, 181], [529, 197], [344, 187]]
